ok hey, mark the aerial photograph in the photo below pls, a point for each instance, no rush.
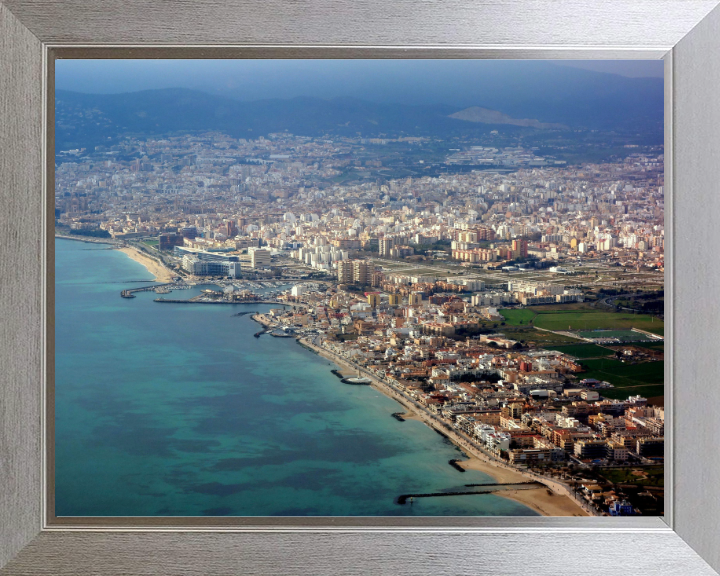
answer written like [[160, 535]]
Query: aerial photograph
[[358, 288]]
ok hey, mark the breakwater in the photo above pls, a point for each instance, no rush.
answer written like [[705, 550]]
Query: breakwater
[[356, 381], [191, 301], [403, 498], [192, 421], [308, 348], [130, 292]]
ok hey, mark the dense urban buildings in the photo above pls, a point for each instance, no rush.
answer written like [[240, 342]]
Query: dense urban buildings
[[490, 300]]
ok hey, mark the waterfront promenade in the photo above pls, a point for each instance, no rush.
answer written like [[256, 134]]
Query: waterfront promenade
[[553, 499]]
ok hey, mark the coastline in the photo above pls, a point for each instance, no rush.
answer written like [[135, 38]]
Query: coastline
[[87, 239], [160, 272], [550, 500], [542, 500]]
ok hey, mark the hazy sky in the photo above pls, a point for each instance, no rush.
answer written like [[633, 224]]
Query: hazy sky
[[258, 79]]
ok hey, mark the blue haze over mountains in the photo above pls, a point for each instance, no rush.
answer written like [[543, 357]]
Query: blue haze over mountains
[[369, 98]]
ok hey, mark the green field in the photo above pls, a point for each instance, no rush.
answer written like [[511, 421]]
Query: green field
[[621, 335], [651, 345], [586, 320], [584, 350], [569, 307], [517, 316], [544, 339], [655, 476], [645, 379]]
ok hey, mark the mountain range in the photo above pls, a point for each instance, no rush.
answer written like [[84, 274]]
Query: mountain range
[[553, 101]]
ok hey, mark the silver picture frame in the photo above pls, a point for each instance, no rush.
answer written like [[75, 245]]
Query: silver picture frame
[[685, 33]]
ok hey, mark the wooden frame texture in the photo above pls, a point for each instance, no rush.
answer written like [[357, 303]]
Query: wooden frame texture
[[686, 33]]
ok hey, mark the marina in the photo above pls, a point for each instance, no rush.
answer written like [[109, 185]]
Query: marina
[[263, 391]]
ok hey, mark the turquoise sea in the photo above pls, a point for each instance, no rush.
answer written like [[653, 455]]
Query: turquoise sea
[[177, 410]]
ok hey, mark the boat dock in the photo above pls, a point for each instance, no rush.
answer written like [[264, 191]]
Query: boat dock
[[202, 299], [130, 292]]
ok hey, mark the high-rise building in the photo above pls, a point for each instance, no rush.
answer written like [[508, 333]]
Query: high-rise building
[[169, 241], [259, 257], [361, 272], [345, 271], [353, 272], [394, 299], [374, 299], [189, 232], [520, 248], [385, 245]]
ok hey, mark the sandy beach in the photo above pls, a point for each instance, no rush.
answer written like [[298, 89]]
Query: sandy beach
[[543, 500], [161, 273], [88, 239], [551, 500]]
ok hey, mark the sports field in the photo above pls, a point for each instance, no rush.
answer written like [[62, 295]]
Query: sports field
[[517, 316], [581, 317], [621, 335], [592, 320], [645, 379]]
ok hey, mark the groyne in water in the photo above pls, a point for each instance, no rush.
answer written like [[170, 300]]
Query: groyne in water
[[403, 498], [307, 347], [355, 381], [130, 292]]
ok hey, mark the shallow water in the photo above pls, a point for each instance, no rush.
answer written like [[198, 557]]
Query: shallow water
[[177, 410]]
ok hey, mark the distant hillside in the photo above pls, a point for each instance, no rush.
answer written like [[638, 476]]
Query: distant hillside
[[84, 120], [487, 116], [88, 120]]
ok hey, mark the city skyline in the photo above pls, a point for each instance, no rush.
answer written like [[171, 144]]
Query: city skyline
[[496, 272]]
